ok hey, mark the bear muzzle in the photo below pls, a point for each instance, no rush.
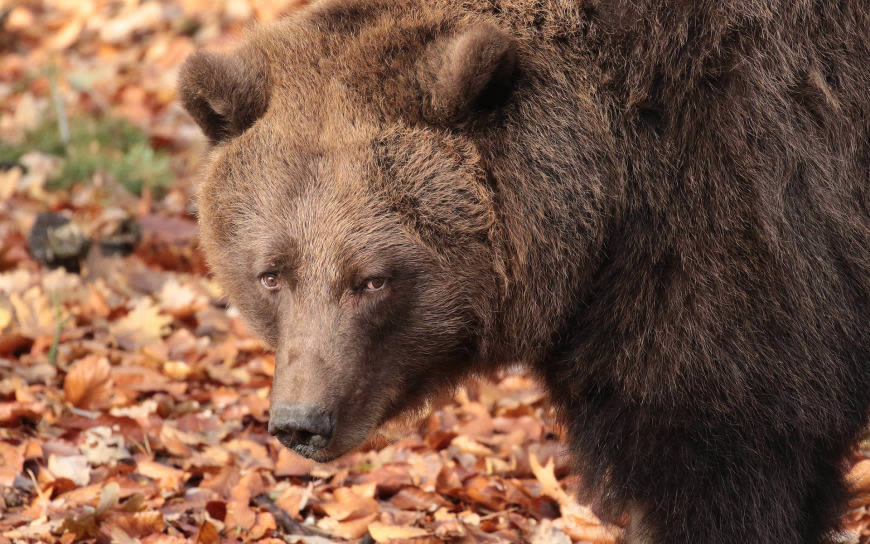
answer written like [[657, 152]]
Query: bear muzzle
[[302, 428]]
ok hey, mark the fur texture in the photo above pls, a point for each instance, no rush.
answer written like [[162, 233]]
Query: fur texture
[[661, 207]]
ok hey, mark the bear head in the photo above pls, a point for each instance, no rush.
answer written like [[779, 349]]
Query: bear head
[[347, 212]]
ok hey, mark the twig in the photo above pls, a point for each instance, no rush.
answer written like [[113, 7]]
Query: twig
[[499, 513], [59, 107], [36, 484], [58, 329], [286, 522]]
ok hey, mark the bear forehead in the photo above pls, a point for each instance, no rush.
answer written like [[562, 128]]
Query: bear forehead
[[324, 230], [288, 189], [350, 60], [277, 159]]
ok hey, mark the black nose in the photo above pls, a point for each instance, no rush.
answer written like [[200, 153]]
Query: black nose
[[300, 427]]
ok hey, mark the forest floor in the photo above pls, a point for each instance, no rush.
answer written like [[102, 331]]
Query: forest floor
[[133, 402]]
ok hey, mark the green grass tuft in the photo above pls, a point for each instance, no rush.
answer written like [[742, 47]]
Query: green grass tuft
[[113, 146]]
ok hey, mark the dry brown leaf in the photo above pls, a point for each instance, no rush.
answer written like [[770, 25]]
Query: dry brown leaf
[[859, 476], [348, 505], [387, 533], [177, 370], [71, 467], [33, 449], [547, 533], [157, 538], [466, 444], [169, 478], [207, 534], [351, 529], [141, 524], [265, 523], [295, 498], [11, 463], [213, 456], [485, 491], [240, 515], [180, 300], [35, 313], [66, 36], [9, 182], [109, 496], [119, 536], [120, 29], [414, 498], [144, 324], [585, 532], [250, 453], [14, 343], [5, 317], [88, 384], [550, 486], [176, 442], [102, 445]]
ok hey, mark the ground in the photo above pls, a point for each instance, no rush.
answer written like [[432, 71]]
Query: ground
[[133, 403]]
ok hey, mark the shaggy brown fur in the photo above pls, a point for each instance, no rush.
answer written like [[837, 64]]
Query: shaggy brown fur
[[661, 207]]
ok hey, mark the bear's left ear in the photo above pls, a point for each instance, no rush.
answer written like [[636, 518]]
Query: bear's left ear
[[225, 94], [473, 70]]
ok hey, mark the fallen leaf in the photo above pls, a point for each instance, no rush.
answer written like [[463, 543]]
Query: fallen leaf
[[550, 486], [180, 300], [108, 497], [35, 313], [207, 534], [547, 533], [349, 505], [169, 478], [66, 36], [142, 18], [294, 498], [101, 445], [11, 463], [88, 384], [177, 370], [466, 444], [144, 324], [71, 467], [592, 533], [5, 318], [240, 515], [386, 533], [119, 536], [859, 476], [265, 522], [351, 529]]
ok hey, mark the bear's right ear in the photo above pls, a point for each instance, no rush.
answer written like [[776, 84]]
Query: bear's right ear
[[473, 70], [224, 94]]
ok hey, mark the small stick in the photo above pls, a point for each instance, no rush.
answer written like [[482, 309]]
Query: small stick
[[285, 521]]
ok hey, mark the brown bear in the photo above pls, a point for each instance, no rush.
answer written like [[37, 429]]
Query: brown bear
[[662, 208]]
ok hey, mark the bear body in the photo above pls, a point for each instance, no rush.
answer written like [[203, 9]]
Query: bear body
[[663, 208]]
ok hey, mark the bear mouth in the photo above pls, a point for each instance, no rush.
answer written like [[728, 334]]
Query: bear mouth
[[392, 424], [314, 447], [322, 449], [309, 451]]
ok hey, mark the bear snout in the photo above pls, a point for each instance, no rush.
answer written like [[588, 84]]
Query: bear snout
[[303, 428]]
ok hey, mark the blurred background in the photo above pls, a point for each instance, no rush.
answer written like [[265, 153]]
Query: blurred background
[[133, 402]]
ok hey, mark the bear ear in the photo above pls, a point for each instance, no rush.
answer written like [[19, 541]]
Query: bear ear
[[473, 70], [224, 94]]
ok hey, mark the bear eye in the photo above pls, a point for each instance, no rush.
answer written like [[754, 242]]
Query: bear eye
[[374, 284], [269, 280]]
